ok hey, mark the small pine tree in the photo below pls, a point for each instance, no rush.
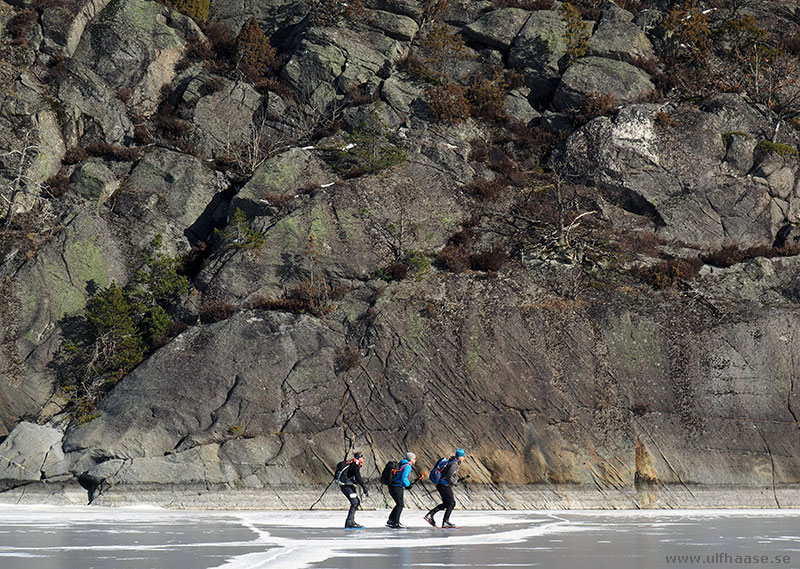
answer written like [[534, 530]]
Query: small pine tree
[[197, 9], [254, 54], [239, 235]]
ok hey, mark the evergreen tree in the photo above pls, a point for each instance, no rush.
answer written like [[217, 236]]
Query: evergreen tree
[[254, 54]]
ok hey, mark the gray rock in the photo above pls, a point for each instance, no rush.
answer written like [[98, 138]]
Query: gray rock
[[230, 122], [518, 107], [538, 49], [693, 201], [131, 46], [272, 16], [26, 450], [620, 40], [400, 94], [276, 387], [48, 287], [283, 175], [330, 61], [32, 145], [739, 151], [778, 172], [172, 194], [459, 13], [497, 28], [95, 182], [611, 12], [199, 465], [602, 77], [92, 108], [312, 70], [348, 219], [395, 26], [410, 8], [64, 25]]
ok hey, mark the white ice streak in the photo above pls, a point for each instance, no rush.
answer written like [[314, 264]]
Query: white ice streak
[[305, 550]]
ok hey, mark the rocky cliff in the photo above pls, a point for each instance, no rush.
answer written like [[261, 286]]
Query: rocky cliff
[[243, 239]]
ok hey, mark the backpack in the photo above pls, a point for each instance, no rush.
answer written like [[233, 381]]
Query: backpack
[[339, 477], [436, 471], [389, 471]]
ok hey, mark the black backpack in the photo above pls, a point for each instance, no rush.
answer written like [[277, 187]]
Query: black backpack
[[339, 476], [389, 471]]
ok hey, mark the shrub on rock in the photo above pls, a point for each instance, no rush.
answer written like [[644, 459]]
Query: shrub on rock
[[197, 9], [254, 54]]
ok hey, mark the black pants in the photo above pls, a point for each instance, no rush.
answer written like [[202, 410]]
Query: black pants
[[396, 492], [350, 493], [448, 502]]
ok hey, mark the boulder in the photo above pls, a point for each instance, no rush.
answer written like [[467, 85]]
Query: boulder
[[620, 40], [459, 13], [172, 194], [497, 28], [537, 50], [739, 147], [284, 175], [628, 84], [778, 172], [351, 221], [409, 8], [28, 452], [63, 24], [611, 12], [518, 106], [395, 26], [331, 61], [94, 181]]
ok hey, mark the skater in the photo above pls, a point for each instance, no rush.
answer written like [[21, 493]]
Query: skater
[[348, 474], [400, 481], [445, 487]]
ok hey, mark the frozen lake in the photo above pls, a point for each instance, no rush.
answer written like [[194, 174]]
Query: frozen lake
[[44, 537]]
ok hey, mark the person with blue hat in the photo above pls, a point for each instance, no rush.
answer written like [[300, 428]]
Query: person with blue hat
[[445, 488]]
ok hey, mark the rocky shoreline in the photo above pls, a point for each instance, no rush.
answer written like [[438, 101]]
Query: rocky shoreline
[[475, 497]]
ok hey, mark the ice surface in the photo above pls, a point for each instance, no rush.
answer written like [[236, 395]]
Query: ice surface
[[44, 537]]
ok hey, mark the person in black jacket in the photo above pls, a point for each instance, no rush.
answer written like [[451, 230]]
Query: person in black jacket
[[351, 475], [445, 487]]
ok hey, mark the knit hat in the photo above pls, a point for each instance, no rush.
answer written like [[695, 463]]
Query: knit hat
[[410, 456], [460, 452]]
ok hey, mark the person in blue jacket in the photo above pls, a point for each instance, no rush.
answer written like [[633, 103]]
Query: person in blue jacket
[[400, 481], [445, 487]]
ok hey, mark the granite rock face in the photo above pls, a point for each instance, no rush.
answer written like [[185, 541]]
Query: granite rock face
[[603, 310], [676, 193]]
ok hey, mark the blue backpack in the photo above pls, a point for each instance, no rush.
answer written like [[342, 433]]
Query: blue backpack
[[436, 471]]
